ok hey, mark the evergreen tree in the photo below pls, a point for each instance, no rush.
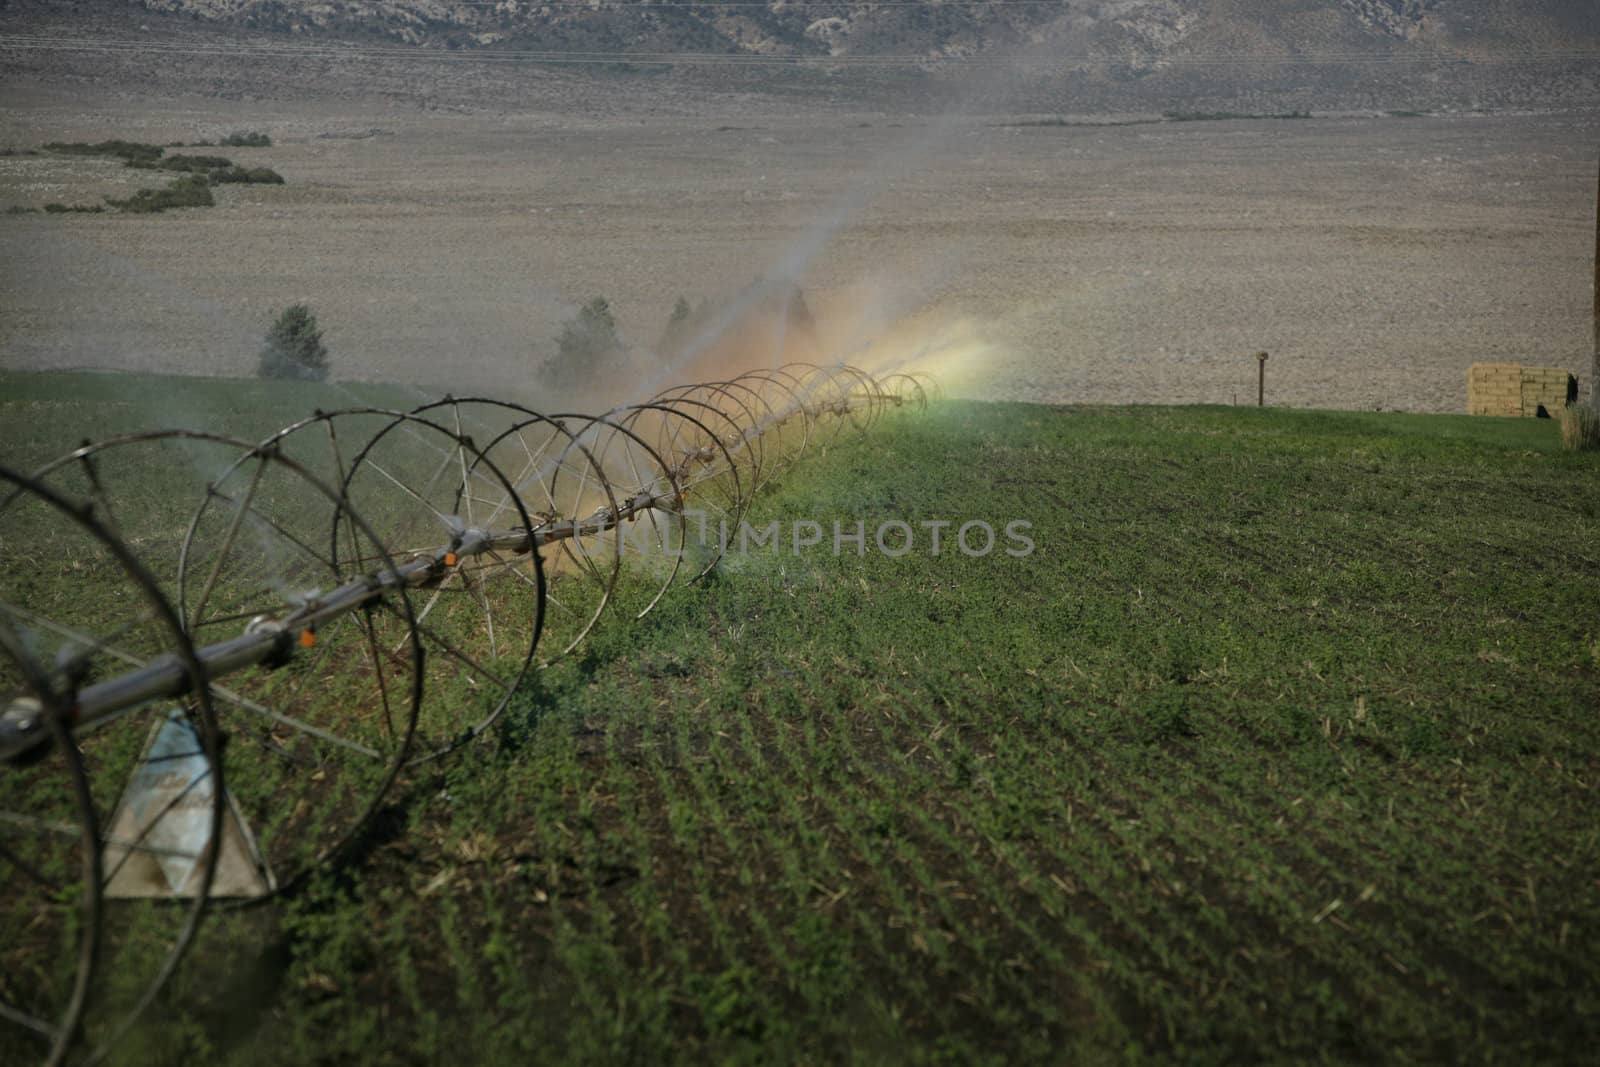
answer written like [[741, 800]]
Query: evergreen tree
[[799, 313], [587, 349], [679, 325], [294, 347]]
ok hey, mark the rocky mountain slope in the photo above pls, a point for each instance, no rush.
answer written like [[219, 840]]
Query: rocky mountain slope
[[1077, 55], [1148, 29]]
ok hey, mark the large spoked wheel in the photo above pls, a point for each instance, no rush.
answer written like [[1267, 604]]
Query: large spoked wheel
[[930, 385], [768, 429], [318, 706], [569, 502], [827, 394], [110, 817], [443, 505], [784, 397], [705, 471], [448, 512], [902, 390], [650, 538], [400, 487], [863, 401], [731, 417], [44, 986]]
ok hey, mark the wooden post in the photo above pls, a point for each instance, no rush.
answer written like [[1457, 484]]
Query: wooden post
[[1261, 378]]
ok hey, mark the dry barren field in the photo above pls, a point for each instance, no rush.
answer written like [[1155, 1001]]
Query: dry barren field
[[1373, 257]]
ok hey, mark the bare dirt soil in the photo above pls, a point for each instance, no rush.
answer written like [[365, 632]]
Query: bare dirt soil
[[1375, 258]]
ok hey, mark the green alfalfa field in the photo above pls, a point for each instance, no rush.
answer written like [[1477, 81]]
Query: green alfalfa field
[[1282, 745]]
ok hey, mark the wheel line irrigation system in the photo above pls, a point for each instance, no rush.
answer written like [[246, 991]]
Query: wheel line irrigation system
[[201, 706]]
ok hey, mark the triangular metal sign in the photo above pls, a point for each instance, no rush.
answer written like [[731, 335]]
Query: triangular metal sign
[[157, 842]]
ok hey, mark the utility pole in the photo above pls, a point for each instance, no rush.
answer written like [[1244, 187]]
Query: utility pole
[[1594, 364], [1261, 371]]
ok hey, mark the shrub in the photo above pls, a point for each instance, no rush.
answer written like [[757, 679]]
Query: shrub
[[67, 209], [294, 347], [247, 176], [247, 139], [587, 349], [1580, 428], [680, 324], [192, 190]]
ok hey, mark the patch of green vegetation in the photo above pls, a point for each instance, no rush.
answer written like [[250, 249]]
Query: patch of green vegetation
[[132, 151], [1059, 121], [247, 139], [1221, 116], [126, 403], [19, 209], [69, 209], [192, 190], [1280, 746]]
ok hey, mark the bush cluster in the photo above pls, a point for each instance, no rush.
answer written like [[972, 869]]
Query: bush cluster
[[188, 191], [191, 190], [218, 170], [129, 150], [246, 175], [191, 164]]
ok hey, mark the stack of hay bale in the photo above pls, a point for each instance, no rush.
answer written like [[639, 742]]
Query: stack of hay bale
[[1512, 389]]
